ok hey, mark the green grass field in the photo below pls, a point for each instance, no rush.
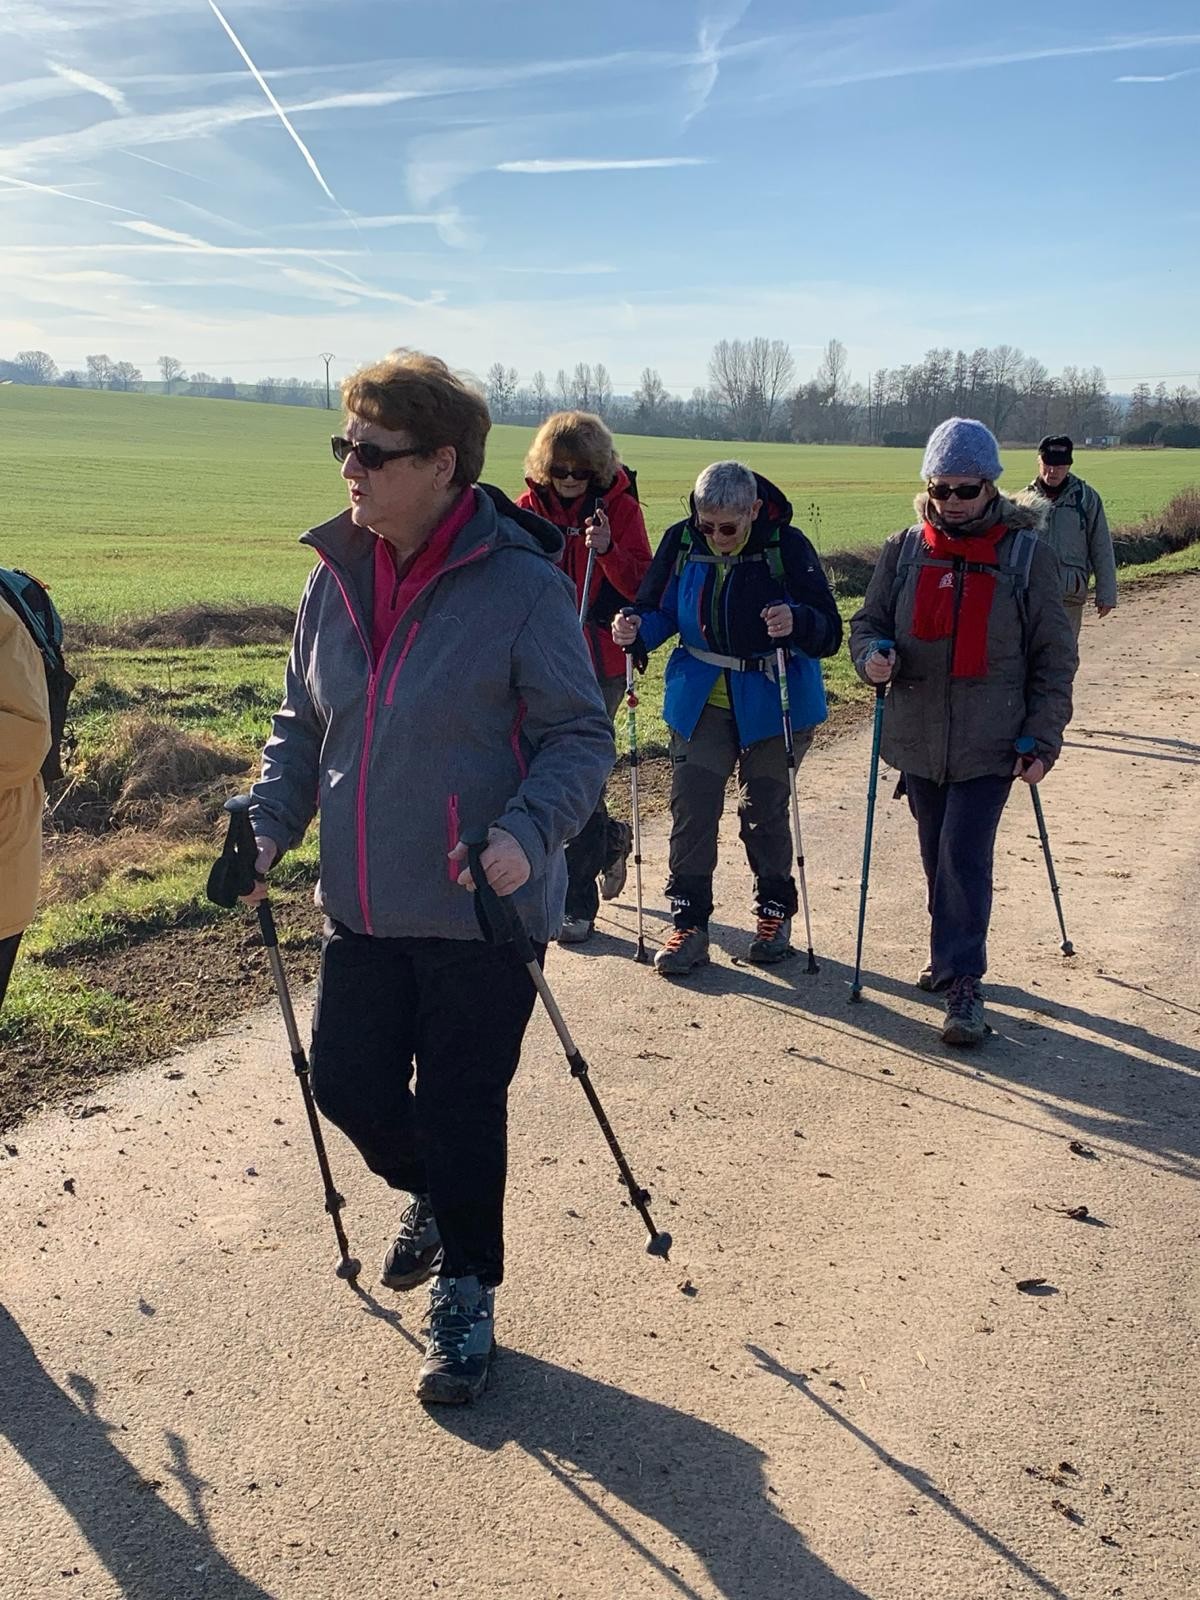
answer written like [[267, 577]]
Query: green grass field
[[132, 504]]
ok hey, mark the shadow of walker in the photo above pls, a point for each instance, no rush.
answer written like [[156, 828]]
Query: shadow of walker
[[611, 1449], [148, 1548]]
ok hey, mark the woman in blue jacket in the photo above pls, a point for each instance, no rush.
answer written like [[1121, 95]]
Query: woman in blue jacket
[[735, 581]]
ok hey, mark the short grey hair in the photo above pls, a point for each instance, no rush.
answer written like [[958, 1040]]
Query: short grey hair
[[726, 486]]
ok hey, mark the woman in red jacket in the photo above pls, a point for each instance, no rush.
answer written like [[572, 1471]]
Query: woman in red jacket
[[575, 479]]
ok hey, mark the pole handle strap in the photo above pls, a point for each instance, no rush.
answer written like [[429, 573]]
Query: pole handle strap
[[233, 871], [499, 920]]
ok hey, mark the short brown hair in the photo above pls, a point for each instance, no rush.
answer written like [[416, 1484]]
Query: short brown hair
[[575, 436], [419, 395]]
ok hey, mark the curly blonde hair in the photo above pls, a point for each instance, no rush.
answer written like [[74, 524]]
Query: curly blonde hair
[[575, 436], [411, 392]]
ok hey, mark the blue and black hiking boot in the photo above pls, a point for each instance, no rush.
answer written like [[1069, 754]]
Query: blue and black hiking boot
[[417, 1253], [461, 1339]]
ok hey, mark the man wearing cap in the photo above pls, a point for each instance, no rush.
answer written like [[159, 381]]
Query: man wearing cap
[[1075, 527]]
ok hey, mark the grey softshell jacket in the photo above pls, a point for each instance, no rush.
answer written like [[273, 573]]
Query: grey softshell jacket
[[1076, 529], [483, 709]]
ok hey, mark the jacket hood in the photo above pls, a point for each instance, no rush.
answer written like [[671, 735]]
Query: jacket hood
[[775, 513], [496, 522], [1016, 512]]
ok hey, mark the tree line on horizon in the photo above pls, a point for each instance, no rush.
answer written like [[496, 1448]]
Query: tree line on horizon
[[753, 393]]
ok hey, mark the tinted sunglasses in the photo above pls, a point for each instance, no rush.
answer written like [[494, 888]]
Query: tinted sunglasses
[[581, 474], [726, 529], [371, 456], [1057, 458], [955, 491]]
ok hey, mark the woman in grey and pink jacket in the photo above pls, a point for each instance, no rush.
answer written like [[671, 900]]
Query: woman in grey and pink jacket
[[438, 682]]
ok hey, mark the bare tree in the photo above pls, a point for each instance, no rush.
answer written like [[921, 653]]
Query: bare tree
[[125, 376], [171, 368], [649, 398], [602, 389], [563, 385], [772, 373], [750, 379], [539, 395], [502, 383], [581, 386], [36, 366], [99, 371]]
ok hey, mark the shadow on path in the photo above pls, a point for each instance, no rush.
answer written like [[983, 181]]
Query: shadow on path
[[913, 1476], [148, 1548], [614, 1451], [1091, 1081]]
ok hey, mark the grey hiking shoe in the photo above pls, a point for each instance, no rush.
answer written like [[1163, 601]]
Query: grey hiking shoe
[[964, 1023], [458, 1354], [612, 879], [575, 930], [417, 1252], [685, 949], [772, 941]]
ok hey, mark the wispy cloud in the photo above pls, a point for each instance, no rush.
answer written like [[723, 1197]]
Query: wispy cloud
[[90, 85], [707, 69], [585, 269], [151, 162], [350, 294], [1010, 58], [278, 109], [63, 194], [592, 164], [1163, 77]]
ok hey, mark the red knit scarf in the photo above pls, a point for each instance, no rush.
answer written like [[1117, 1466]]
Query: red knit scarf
[[933, 611]]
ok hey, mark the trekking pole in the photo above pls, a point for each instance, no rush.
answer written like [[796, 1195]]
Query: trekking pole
[[232, 875], [789, 746], [1025, 748], [587, 585], [631, 701], [881, 645], [500, 923]]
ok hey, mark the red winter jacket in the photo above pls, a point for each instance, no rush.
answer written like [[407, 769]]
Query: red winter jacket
[[616, 575]]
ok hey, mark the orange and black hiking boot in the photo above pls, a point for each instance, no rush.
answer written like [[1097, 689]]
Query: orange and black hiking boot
[[772, 941]]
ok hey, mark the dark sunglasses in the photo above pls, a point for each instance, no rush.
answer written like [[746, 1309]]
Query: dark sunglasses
[[726, 529], [581, 474], [955, 491], [371, 456], [1057, 458]]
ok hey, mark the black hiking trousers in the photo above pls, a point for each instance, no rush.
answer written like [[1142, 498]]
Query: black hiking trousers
[[455, 1010], [8, 955]]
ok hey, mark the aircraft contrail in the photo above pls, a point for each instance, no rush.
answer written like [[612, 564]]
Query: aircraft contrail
[[278, 109]]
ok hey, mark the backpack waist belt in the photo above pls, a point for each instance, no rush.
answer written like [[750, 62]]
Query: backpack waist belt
[[733, 663]]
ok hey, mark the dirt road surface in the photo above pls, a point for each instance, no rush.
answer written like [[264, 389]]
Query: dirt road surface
[[836, 1390]]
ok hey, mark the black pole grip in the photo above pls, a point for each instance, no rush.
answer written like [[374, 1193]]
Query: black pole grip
[[233, 872], [499, 920]]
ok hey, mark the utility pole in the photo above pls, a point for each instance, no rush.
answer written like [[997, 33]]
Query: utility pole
[[327, 356]]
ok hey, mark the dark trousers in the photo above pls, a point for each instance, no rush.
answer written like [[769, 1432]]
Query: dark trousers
[[600, 841], [8, 954], [700, 768], [457, 1010], [956, 826]]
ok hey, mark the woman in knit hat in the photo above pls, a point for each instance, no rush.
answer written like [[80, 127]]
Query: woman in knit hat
[[981, 655]]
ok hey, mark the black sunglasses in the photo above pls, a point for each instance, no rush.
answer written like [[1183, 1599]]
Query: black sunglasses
[[726, 529], [1057, 458], [579, 473], [955, 491], [371, 456]]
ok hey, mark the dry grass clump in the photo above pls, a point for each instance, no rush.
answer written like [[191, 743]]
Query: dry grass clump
[[149, 771], [199, 626]]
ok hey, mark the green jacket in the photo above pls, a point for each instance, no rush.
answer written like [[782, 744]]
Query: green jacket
[[1076, 529], [951, 729]]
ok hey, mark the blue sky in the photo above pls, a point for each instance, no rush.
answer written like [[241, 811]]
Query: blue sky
[[542, 184]]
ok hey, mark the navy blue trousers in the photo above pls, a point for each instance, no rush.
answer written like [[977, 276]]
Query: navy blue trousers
[[956, 826]]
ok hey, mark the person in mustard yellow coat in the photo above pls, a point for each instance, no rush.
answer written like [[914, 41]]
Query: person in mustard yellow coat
[[24, 744]]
